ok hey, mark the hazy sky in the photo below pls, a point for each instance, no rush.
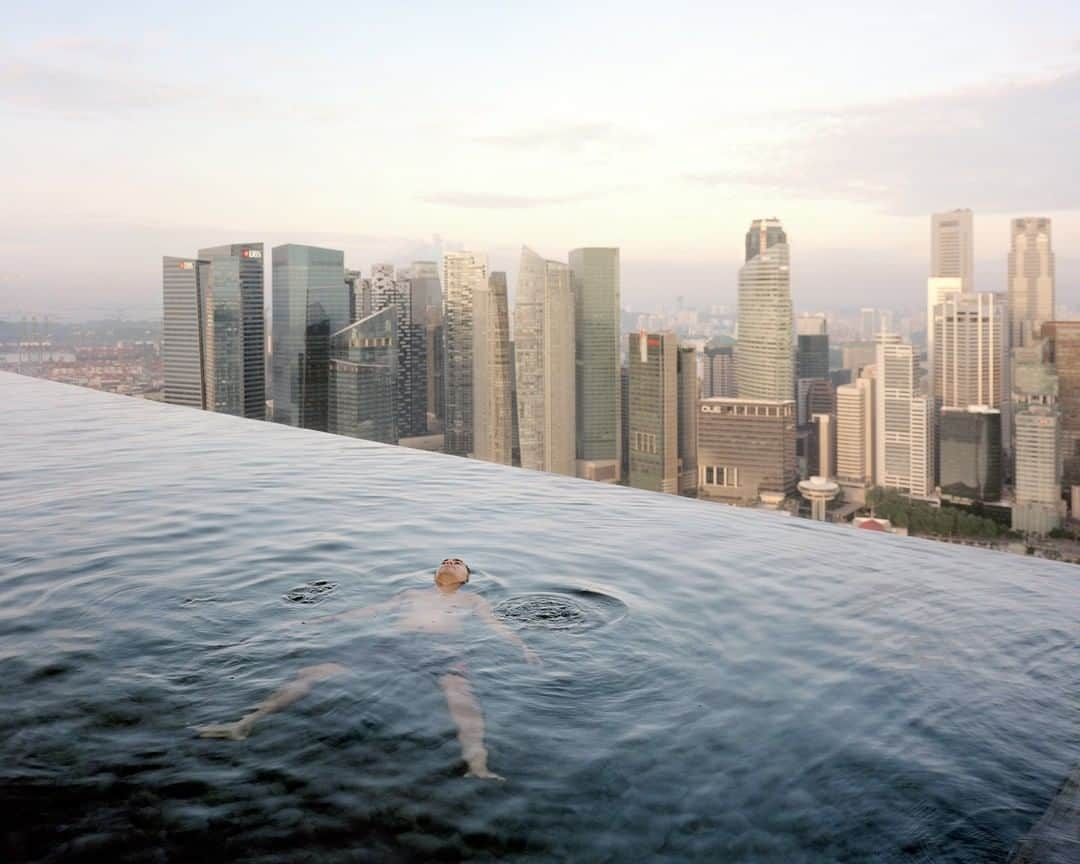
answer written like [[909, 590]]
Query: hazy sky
[[138, 129]]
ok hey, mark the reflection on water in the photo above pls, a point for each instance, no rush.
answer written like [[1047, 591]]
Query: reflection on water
[[717, 685]]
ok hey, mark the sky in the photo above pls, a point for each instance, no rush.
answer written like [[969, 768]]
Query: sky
[[133, 130]]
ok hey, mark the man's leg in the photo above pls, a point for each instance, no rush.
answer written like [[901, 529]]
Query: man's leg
[[295, 690], [465, 710]]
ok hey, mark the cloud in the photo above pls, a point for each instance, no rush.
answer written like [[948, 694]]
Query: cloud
[[568, 139], [504, 202], [28, 84], [995, 148]]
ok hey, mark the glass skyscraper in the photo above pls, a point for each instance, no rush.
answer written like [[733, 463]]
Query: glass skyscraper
[[311, 301], [596, 322], [236, 355], [764, 365], [463, 273], [183, 351], [362, 379]]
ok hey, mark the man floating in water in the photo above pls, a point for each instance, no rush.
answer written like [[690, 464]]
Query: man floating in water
[[436, 617]]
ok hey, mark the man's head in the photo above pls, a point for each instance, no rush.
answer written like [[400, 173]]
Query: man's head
[[452, 573]]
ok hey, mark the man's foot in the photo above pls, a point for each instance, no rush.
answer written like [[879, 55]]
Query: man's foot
[[483, 774], [235, 731]]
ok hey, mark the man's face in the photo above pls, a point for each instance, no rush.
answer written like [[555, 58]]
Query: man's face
[[452, 571]]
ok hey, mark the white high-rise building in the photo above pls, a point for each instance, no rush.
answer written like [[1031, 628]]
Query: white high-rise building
[[544, 364], [855, 444], [183, 344], [903, 421], [1038, 507], [492, 419], [969, 351], [1031, 279], [764, 354], [952, 247], [463, 274], [938, 290]]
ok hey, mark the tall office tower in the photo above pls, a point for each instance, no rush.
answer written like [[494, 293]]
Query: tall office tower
[[544, 349], [856, 356], [971, 453], [311, 301], [855, 436], [952, 247], [515, 437], [812, 335], [354, 283], [428, 310], [236, 283], [687, 384], [939, 289], [596, 352], [903, 421], [654, 412], [183, 349], [1038, 508], [719, 368], [411, 396], [765, 367], [732, 471], [969, 360], [866, 324], [1064, 343], [492, 424], [363, 379], [624, 416], [1031, 279], [463, 273]]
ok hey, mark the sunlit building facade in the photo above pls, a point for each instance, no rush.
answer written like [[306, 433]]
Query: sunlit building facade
[[492, 404], [764, 355], [463, 273]]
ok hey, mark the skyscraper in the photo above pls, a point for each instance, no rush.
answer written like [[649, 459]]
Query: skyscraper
[[971, 453], [719, 368], [952, 247], [544, 347], [388, 289], [428, 310], [236, 355], [654, 412], [596, 352], [938, 290], [969, 336], [492, 404], [1064, 344], [866, 324], [903, 421], [746, 450], [687, 383], [1031, 279], [812, 333], [765, 367], [183, 351], [363, 379], [855, 436], [311, 301], [463, 273], [1038, 507]]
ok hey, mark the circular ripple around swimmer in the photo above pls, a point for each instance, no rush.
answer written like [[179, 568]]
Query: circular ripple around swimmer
[[574, 610], [310, 592]]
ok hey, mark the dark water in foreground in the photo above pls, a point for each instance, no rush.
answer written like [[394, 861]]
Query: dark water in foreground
[[717, 685]]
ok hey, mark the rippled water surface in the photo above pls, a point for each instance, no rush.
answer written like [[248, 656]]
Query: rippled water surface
[[716, 685]]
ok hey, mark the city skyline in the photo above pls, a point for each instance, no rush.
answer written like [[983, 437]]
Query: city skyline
[[108, 104]]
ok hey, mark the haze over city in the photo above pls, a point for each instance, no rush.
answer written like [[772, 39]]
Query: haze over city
[[397, 134]]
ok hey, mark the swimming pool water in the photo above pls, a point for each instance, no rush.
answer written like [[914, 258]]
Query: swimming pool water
[[717, 685]]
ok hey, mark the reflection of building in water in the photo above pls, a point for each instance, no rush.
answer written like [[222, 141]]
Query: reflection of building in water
[[363, 374]]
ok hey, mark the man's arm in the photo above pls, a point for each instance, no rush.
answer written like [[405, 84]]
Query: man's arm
[[362, 612], [483, 609]]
